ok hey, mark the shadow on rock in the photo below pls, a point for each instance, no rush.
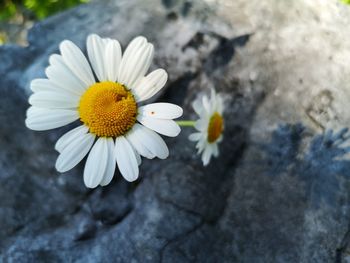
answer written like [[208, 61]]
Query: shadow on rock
[[320, 166]]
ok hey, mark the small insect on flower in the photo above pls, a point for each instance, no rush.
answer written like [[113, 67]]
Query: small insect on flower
[[210, 125], [113, 125]]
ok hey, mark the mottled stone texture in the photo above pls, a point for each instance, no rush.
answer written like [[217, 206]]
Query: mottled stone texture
[[279, 191]]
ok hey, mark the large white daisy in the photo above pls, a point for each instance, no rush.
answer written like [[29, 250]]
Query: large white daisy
[[210, 125], [114, 128]]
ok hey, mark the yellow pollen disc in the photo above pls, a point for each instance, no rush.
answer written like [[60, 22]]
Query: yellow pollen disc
[[215, 128], [108, 109]]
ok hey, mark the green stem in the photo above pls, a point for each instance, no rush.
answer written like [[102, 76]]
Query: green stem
[[186, 123]]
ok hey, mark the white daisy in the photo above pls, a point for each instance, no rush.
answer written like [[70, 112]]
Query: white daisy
[[210, 125], [114, 128]]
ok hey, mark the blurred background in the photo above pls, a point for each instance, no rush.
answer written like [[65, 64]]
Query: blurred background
[[17, 16], [279, 191]]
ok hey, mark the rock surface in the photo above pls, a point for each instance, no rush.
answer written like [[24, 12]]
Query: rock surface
[[279, 192]]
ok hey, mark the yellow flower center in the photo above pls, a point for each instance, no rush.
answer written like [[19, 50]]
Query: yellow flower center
[[108, 109], [215, 128]]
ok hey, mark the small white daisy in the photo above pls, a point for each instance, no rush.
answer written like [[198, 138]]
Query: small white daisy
[[210, 125], [113, 125]]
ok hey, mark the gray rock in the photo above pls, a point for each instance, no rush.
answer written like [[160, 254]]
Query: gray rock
[[277, 193]]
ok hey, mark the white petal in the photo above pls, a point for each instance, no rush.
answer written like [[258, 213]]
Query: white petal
[[138, 144], [212, 96], [134, 45], [70, 136], [76, 61], [215, 149], [206, 156], [96, 52], [219, 105], [150, 85], [40, 119], [113, 56], [63, 77], [197, 106], [111, 163], [96, 163], [38, 85], [221, 137], [154, 143], [30, 111], [54, 100], [74, 152], [138, 157], [136, 65], [162, 126], [134, 54], [161, 111], [149, 140], [206, 104], [202, 124], [195, 136], [216, 102], [201, 144], [126, 159]]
